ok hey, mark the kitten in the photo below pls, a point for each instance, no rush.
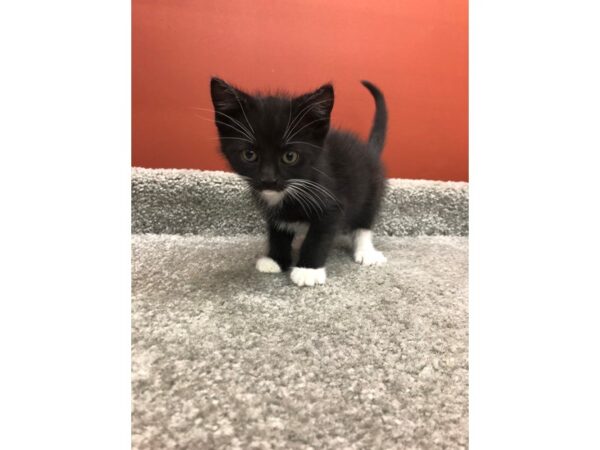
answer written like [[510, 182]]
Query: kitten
[[304, 174]]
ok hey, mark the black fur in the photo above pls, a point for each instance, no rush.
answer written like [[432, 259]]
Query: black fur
[[344, 174]]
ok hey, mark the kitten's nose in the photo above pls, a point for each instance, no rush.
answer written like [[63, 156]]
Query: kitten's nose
[[268, 178], [268, 183]]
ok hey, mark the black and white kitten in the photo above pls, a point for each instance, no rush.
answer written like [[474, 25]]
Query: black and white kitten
[[304, 174]]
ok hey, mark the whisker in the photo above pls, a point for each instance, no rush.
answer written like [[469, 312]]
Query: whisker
[[314, 201], [240, 124], [297, 119], [310, 201], [318, 186], [243, 112], [320, 171], [317, 189], [236, 129], [306, 108], [294, 196], [313, 183], [311, 197], [309, 123], [227, 125], [316, 196], [235, 138]]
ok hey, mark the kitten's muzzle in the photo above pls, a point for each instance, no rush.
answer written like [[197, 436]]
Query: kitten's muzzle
[[272, 198], [268, 178], [271, 185]]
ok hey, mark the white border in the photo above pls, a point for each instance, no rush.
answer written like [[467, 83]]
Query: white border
[[534, 172], [65, 289], [64, 318]]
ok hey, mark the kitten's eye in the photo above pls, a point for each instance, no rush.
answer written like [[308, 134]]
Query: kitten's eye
[[290, 158], [249, 155]]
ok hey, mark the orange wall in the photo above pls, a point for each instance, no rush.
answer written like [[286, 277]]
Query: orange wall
[[414, 50]]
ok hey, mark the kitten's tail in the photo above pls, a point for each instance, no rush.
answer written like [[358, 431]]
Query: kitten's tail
[[378, 131]]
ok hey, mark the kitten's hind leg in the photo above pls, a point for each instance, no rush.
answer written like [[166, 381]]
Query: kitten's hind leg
[[364, 252]]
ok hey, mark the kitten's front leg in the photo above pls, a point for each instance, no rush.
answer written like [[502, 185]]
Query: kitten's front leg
[[310, 269], [280, 251]]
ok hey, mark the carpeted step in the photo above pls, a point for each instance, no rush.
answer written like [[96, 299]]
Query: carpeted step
[[226, 357], [217, 203]]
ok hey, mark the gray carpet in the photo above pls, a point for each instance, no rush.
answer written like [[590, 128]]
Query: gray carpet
[[193, 201], [226, 357]]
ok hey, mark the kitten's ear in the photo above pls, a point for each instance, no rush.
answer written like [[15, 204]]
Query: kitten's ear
[[314, 112], [225, 97], [320, 102]]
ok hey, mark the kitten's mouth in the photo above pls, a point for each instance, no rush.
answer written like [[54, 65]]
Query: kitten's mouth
[[272, 197]]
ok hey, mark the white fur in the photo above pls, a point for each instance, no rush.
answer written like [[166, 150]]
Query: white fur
[[272, 198], [267, 265], [303, 276], [364, 252]]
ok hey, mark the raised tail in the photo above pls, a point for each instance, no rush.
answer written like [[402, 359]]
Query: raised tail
[[378, 131]]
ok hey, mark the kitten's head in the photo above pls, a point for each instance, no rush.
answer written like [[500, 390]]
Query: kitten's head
[[274, 138]]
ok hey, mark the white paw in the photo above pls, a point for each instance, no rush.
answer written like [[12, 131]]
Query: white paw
[[303, 276], [268, 265], [368, 257]]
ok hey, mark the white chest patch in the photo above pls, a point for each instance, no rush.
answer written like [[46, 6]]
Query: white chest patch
[[293, 227], [272, 198]]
